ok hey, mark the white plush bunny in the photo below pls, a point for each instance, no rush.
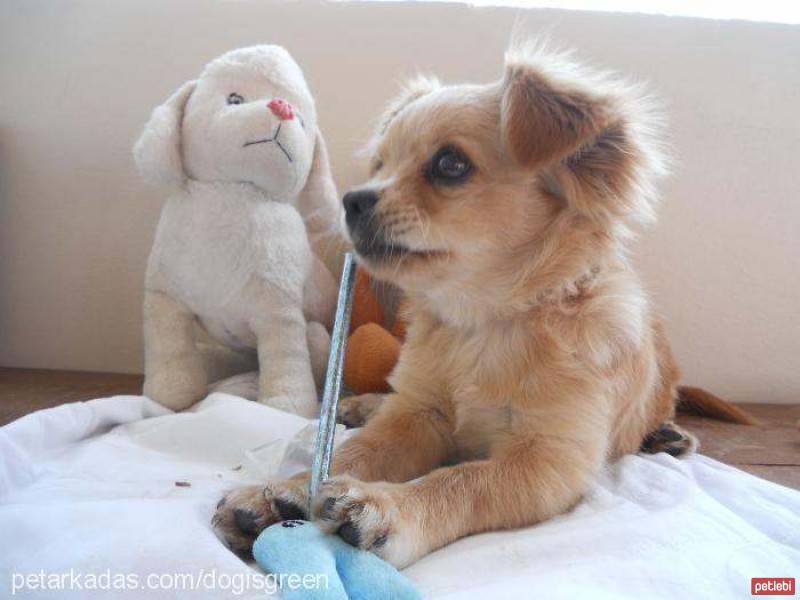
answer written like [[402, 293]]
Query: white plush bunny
[[244, 238]]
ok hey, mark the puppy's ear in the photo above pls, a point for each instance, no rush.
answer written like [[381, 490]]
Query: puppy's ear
[[158, 149], [599, 138], [544, 119], [318, 204]]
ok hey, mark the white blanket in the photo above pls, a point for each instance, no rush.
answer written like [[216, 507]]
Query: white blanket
[[118, 493]]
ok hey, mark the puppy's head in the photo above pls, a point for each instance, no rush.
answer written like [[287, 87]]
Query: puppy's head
[[500, 183]]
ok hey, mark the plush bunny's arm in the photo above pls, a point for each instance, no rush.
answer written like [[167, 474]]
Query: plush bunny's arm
[[318, 204]]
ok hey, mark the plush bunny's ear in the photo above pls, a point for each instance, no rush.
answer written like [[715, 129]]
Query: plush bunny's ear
[[318, 204], [158, 149]]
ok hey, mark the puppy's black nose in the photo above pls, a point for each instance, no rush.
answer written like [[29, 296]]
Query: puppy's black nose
[[359, 204]]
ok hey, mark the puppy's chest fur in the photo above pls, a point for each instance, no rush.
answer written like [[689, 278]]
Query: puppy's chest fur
[[490, 376]]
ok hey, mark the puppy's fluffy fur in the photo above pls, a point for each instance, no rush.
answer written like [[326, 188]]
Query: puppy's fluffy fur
[[532, 354]]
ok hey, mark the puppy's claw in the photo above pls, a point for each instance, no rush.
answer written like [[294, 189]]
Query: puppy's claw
[[326, 511], [246, 520], [289, 511], [366, 515], [240, 517], [245, 512], [350, 534]]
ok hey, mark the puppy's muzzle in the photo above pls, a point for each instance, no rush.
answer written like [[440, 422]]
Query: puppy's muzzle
[[359, 208], [363, 224]]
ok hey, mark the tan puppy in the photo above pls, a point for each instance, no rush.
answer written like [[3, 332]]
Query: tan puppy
[[532, 357]]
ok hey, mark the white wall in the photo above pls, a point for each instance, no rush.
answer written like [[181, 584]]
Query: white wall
[[78, 79]]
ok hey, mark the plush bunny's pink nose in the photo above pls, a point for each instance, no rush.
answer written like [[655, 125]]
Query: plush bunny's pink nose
[[281, 109]]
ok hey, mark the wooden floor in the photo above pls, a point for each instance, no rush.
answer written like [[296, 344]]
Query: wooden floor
[[25, 390], [770, 450]]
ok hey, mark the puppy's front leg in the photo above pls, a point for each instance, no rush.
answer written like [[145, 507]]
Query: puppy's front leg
[[285, 379], [528, 482], [175, 374], [405, 440]]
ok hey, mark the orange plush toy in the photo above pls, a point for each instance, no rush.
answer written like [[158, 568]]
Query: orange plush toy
[[373, 346]]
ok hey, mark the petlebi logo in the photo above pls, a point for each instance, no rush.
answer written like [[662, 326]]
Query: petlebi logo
[[772, 586]]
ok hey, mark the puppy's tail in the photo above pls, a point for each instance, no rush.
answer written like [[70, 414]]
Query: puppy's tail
[[697, 401]]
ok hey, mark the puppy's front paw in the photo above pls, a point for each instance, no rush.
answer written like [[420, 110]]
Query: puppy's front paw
[[367, 515], [355, 411], [245, 512]]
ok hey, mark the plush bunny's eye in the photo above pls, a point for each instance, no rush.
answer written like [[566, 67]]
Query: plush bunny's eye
[[235, 98]]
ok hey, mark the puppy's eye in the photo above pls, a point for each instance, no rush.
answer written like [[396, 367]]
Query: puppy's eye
[[449, 166], [377, 165], [235, 98]]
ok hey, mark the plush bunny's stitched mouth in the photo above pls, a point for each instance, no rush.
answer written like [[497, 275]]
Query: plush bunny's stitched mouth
[[274, 139]]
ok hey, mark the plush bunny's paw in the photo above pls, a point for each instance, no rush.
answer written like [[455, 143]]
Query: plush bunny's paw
[[245, 512], [366, 515], [304, 407], [178, 385]]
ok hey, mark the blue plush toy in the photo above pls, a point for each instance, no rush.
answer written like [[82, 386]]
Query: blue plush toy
[[334, 569], [294, 549]]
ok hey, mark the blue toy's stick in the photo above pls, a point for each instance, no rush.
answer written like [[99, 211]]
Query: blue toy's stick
[[308, 563], [323, 451]]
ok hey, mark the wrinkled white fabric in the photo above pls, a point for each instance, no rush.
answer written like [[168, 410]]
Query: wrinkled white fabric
[[91, 488]]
